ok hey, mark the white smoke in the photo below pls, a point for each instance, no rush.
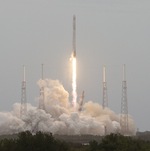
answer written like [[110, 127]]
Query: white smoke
[[59, 117]]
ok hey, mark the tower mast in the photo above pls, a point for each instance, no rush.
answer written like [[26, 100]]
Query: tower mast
[[42, 94], [81, 102], [124, 105], [105, 97], [23, 107]]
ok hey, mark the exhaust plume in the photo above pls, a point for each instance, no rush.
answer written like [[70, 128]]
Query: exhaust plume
[[58, 117]]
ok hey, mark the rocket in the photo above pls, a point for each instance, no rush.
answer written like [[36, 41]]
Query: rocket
[[74, 54], [74, 36]]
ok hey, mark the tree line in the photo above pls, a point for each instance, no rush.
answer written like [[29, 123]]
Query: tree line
[[26, 141], [117, 142]]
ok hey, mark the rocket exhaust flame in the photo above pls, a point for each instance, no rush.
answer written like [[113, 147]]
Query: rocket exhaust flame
[[74, 82]]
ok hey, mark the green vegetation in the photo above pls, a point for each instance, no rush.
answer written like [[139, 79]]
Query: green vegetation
[[26, 141], [117, 142]]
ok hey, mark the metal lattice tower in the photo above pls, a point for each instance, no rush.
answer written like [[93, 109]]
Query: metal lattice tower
[[105, 97], [42, 95], [81, 102], [23, 107], [124, 106]]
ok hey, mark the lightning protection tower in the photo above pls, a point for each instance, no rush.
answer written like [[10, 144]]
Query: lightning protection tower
[[42, 95], [124, 106], [23, 107], [105, 97]]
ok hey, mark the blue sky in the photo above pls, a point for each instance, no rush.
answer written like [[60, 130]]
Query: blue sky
[[109, 32]]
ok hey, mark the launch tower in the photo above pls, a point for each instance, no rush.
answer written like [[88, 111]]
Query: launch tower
[[81, 102], [23, 107], [42, 95], [124, 106], [105, 97]]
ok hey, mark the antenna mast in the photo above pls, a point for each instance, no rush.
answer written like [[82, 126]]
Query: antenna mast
[[124, 105], [23, 107]]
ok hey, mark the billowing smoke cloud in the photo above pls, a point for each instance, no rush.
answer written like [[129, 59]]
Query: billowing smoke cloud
[[60, 118]]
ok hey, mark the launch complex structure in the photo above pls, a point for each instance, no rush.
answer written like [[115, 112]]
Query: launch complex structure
[[105, 96], [124, 106], [23, 107], [42, 95], [124, 103]]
